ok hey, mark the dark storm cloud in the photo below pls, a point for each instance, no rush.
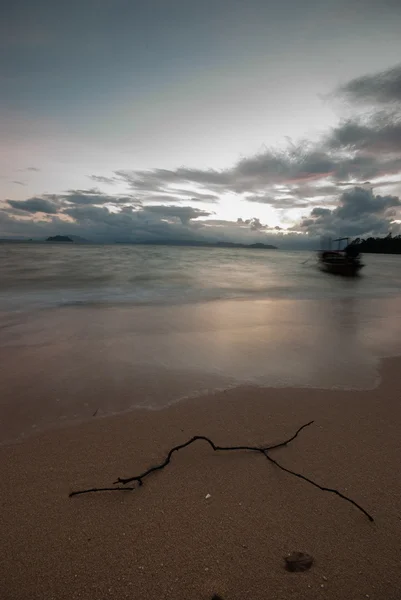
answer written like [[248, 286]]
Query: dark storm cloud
[[380, 88], [34, 205], [359, 213]]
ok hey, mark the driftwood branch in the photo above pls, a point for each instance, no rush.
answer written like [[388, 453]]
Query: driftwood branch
[[320, 487], [105, 489], [261, 449]]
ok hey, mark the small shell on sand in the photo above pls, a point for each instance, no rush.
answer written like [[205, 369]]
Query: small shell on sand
[[298, 561]]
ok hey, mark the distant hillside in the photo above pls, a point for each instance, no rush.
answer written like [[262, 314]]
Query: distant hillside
[[59, 238], [201, 244], [68, 238], [189, 243], [258, 246], [386, 245]]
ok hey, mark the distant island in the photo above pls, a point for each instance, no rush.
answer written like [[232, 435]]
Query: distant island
[[386, 245], [201, 244], [69, 239], [257, 246], [59, 238]]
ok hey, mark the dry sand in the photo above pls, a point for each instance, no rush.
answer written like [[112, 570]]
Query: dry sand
[[167, 540]]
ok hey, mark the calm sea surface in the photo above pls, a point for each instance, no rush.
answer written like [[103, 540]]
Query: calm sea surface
[[39, 275]]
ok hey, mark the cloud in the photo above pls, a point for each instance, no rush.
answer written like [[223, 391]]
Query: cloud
[[359, 148], [156, 180], [60, 203], [183, 213], [95, 196], [318, 211], [34, 205], [352, 152], [380, 88], [188, 195], [249, 175], [360, 201], [158, 202], [254, 224], [144, 224], [35, 169], [380, 133], [138, 224], [177, 195], [102, 179], [279, 201], [359, 213]]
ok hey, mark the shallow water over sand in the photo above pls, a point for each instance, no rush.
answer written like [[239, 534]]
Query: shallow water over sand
[[65, 364]]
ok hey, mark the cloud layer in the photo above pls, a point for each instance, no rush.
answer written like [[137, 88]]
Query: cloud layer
[[321, 180], [380, 88], [359, 212]]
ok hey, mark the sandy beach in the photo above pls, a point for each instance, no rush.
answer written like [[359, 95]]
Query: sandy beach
[[200, 300], [210, 523]]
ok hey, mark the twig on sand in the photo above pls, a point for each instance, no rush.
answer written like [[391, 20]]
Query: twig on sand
[[105, 489], [95, 413], [261, 449], [320, 487]]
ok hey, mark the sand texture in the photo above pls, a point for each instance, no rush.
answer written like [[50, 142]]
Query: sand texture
[[168, 540]]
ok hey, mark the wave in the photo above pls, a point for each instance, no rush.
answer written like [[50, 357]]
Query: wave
[[38, 278]]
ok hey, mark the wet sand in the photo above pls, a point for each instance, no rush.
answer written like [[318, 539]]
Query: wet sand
[[167, 540], [62, 365]]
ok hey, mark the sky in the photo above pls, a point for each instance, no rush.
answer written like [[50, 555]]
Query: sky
[[256, 121]]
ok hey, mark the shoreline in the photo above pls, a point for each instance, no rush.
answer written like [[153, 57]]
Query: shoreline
[[201, 395], [169, 540], [63, 365]]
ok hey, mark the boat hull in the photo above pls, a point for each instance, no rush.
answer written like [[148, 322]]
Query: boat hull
[[345, 269]]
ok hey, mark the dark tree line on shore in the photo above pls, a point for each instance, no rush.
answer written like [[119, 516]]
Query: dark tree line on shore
[[387, 245]]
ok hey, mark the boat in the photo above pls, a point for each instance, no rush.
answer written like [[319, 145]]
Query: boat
[[345, 261]]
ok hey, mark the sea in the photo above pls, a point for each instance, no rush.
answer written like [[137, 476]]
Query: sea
[[37, 276], [91, 329]]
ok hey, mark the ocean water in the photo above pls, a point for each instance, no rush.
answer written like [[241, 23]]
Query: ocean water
[[105, 329], [42, 276]]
